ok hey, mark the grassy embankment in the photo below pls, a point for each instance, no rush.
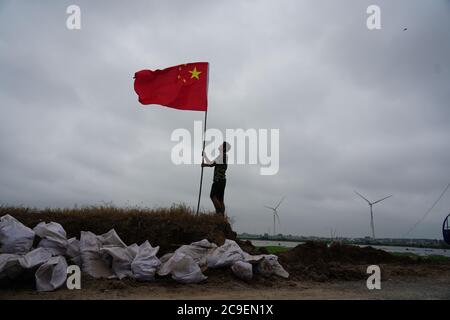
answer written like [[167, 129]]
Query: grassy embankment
[[168, 228]]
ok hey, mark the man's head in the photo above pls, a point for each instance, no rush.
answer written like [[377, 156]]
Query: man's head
[[225, 147]]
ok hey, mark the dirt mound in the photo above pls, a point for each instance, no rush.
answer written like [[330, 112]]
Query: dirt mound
[[167, 228], [319, 252], [318, 261]]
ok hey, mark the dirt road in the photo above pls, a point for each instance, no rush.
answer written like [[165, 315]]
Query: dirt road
[[423, 283]]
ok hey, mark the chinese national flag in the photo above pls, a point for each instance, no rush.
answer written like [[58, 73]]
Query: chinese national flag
[[182, 87]]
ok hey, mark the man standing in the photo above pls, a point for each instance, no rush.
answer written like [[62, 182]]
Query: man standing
[[219, 180]]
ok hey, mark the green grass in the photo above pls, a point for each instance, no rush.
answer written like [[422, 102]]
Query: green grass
[[275, 249]]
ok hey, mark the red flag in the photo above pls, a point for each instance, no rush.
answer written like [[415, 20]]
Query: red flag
[[182, 87]]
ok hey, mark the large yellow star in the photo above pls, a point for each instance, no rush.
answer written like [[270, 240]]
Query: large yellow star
[[194, 73]]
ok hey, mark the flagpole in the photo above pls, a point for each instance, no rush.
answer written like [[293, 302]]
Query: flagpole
[[201, 175]]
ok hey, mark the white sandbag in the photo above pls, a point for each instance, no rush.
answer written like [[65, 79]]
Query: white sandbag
[[204, 244], [15, 237], [242, 270], [225, 255], [100, 264], [253, 259], [89, 242], [93, 263], [198, 251], [9, 266], [111, 238], [270, 266], [12, 265], [121, 259], [166, 257], [73, 247], [35, 258], [51, 230], [145, 263], [54, 247], [54, 237], [73, 251], [183, 269], [52, 274]]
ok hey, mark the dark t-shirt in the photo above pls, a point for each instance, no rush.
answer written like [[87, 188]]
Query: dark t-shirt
[[219, 171], [220, 167]]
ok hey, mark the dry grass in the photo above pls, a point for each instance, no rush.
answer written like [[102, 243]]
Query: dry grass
[[166, 227]]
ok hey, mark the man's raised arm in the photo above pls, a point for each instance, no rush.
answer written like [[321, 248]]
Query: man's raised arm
[[206, 162]]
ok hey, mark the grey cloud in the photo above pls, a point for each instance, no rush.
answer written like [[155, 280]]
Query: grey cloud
[[356, 109]]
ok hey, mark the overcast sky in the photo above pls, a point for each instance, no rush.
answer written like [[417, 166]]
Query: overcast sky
[[356, 109]]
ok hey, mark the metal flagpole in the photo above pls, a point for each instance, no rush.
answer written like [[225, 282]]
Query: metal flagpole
[[201, 175]]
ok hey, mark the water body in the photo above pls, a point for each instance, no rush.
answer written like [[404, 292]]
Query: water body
[[417, 251]]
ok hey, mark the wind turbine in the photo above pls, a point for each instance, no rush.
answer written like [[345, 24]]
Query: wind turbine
[[275, 214], [371, 210]]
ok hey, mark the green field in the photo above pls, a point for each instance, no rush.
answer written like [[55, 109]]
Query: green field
[[275, 249]]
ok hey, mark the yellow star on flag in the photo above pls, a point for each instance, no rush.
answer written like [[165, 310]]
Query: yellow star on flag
[[194, 73]]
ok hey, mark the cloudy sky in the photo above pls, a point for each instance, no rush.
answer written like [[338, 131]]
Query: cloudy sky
[[356, 109]]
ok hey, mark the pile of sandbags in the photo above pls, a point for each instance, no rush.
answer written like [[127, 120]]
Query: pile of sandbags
[[107, 256], [242, 263], [187, 262], [17, 255], [100, 256]]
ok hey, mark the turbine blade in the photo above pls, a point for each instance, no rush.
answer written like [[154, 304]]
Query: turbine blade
[[280, 202], [278, 218], [382, 199], [269, 207], [362, 196]]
